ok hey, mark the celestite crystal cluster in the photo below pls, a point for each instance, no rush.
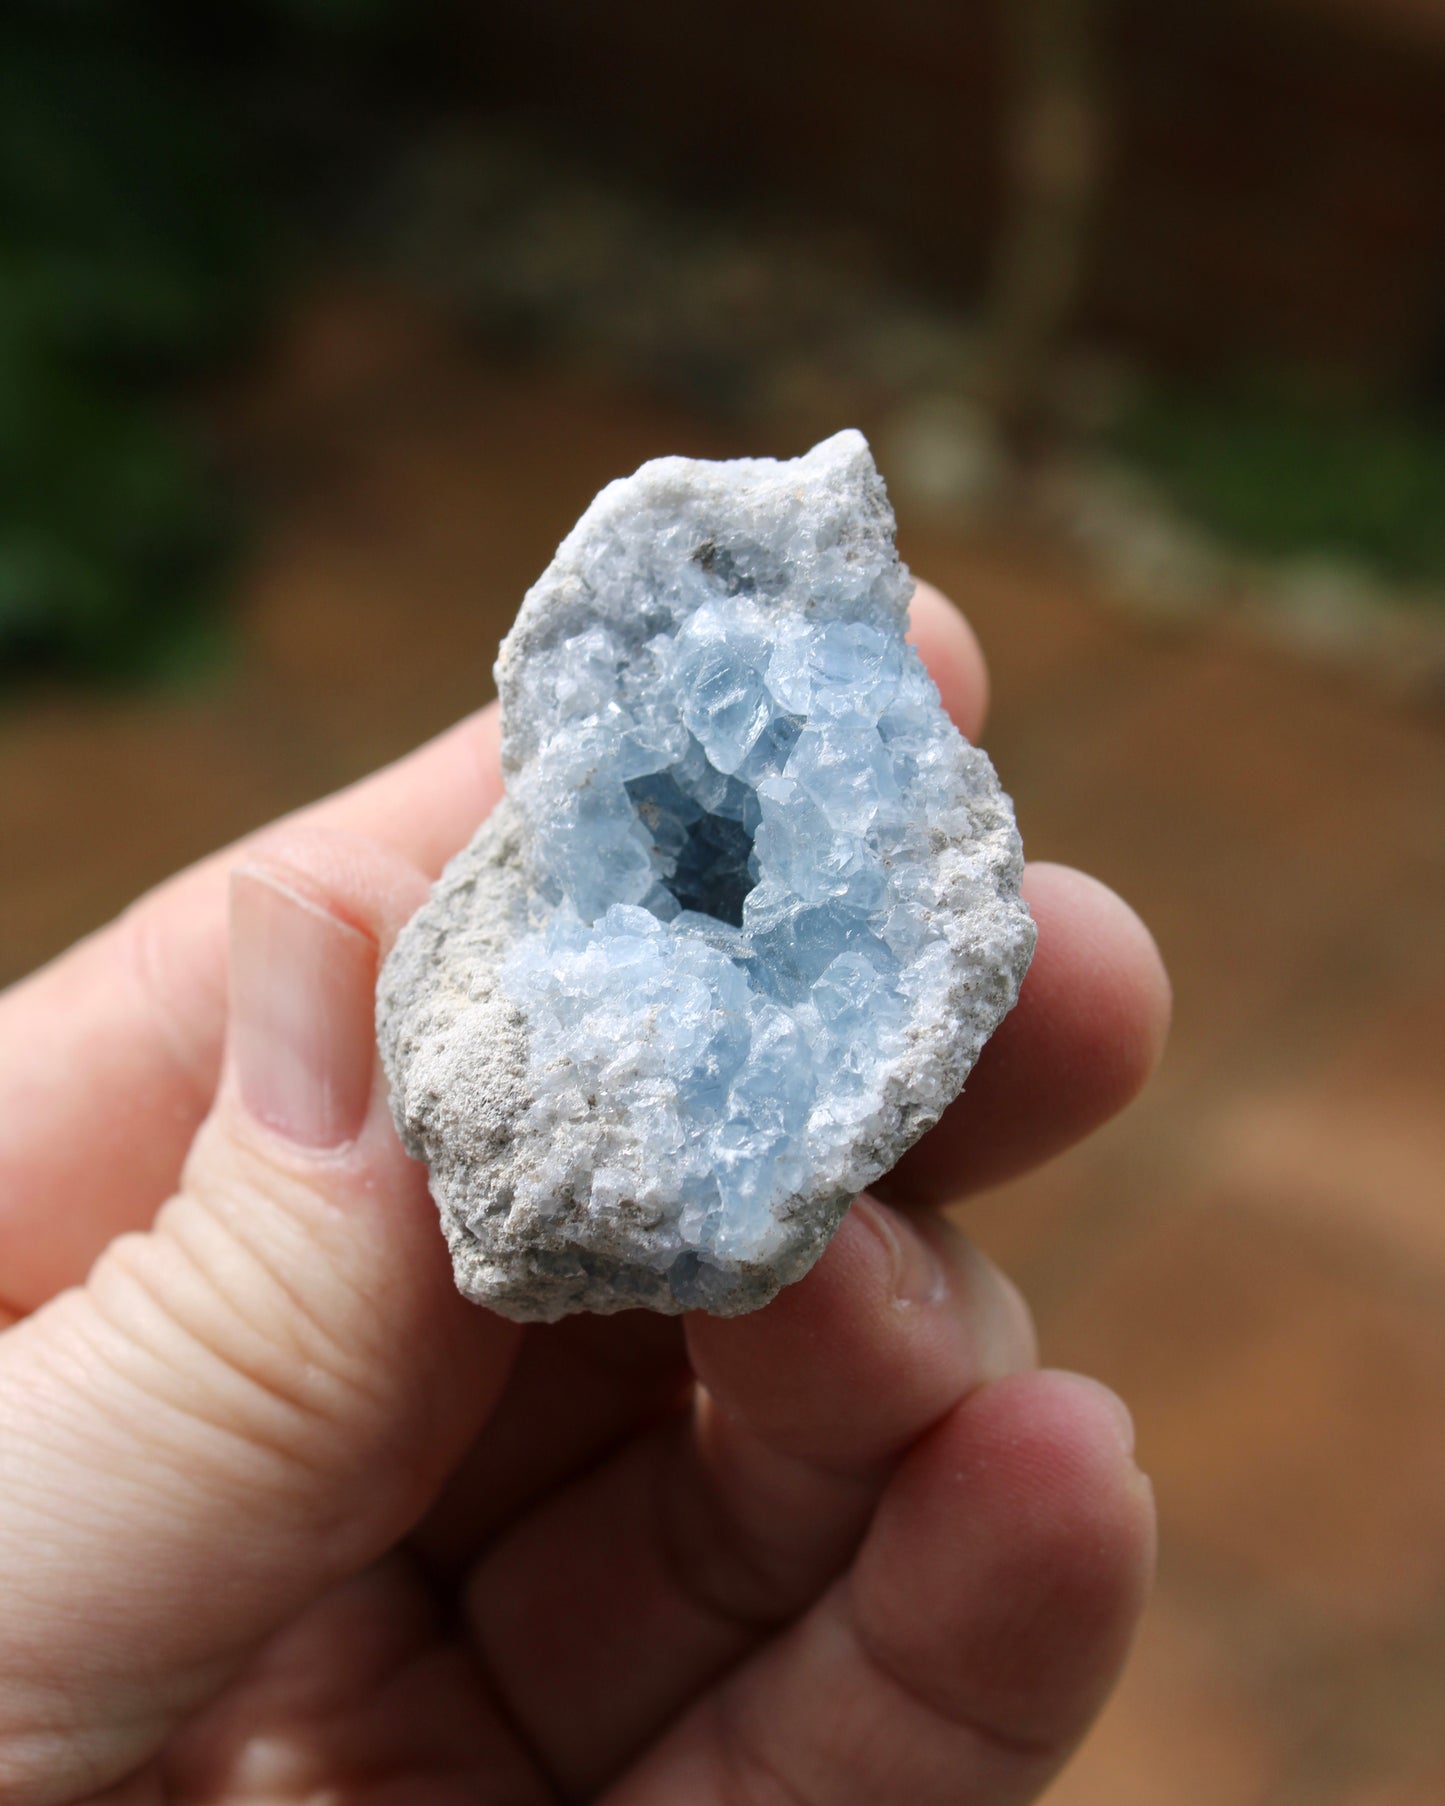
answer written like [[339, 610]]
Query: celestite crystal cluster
[[742, 924]]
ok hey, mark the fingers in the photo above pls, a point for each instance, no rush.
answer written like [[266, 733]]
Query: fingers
[[978, 1632], [898, 1321], [607, 1608], [256, 1398], [1088, 1030]]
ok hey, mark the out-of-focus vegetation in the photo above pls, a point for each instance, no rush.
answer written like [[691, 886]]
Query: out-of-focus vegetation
[[167, 169], [1280, 477], [137, 248], [126, 260]]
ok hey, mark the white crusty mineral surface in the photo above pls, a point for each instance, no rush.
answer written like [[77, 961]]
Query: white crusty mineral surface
[[742, 924]]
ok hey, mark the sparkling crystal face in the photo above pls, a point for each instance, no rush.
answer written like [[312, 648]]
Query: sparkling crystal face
[[729, 824]]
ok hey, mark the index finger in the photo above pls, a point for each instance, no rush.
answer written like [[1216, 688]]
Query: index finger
[[109, 1056]]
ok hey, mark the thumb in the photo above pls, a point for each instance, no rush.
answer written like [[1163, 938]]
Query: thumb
[[257, 1397]]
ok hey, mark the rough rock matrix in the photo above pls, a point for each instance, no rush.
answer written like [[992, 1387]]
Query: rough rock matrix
[[742, 924]]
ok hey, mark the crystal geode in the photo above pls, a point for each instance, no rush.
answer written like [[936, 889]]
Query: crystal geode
[[741, 925]]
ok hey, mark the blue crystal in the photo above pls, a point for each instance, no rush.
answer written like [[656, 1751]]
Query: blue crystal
[[728, 821]]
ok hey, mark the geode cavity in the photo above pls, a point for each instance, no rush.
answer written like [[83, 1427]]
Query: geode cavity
[[742, 924]]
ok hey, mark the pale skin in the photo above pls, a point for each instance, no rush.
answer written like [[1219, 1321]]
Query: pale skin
[[284, 1519]]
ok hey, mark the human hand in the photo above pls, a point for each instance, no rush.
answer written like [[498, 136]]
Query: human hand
[[283, 1518]]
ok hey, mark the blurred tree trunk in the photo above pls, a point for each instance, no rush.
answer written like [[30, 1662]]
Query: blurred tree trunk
[[1054, 152]]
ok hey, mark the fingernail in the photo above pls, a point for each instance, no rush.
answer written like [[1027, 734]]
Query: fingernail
[[917, 1272], [302, 984], [1122, 1417]]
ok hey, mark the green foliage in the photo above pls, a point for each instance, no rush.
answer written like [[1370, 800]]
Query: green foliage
[[1281, 478], [333, 15], [129, 252], [110, 530], [127, 233]]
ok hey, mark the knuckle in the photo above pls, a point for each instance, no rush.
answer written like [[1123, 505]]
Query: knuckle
[[756, 1547], [212, 1333], [145, 955]]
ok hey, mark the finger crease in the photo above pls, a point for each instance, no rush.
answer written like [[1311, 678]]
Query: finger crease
[[286, 1430], [746, 1766], [1016, 1745], [725, 1571]]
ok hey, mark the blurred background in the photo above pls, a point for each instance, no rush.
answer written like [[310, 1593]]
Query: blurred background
[[321, 321]]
